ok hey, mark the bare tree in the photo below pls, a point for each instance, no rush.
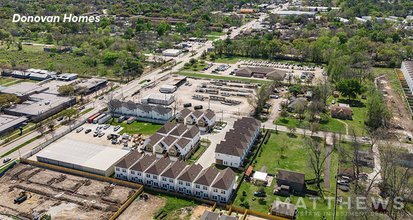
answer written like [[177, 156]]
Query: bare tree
[[112, 104], [41, 128], [317, 157], [259, 98]]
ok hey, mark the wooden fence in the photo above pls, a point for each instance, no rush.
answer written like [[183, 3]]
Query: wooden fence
[[127, 203], [251, 212]]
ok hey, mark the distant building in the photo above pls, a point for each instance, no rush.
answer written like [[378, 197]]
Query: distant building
[[158, 98], [293, 104], [91, 85], [261, 72], [204, 120], [407, 70], [67, 76], [171, 52], [130, 108], [295, 13], [24, 90]]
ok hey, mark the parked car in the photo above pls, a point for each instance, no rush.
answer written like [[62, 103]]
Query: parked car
[[106, 126], [260, 194], [101, 134], [342, 182], [60, 118], [365, 138], [100, 98], [96, 134], [198, 107], [79, 129], [116, 128], [88, 131], [279, 109], [187, 105], [7, 159], [333, 102]]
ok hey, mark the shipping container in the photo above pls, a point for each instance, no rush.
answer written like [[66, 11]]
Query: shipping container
[[95, 121], [105, 119], [121, 119], [90, 120], [131, 119]]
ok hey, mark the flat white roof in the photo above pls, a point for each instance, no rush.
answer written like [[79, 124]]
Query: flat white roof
[[260, 176], [159, 96], [84, 154]]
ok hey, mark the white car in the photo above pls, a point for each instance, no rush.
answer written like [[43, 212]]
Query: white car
[[333, 102], [279, 109]]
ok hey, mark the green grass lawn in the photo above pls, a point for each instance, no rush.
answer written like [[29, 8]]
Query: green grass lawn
[[224, 77], [326, 124], [143, 81], [137, 127], [173, 205], [20, 81], [292, 157], [5, 80], [198, 68], [86, 111], [211, 38], [216, 33]]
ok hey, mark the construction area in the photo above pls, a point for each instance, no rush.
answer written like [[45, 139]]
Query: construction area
[[41, 191]]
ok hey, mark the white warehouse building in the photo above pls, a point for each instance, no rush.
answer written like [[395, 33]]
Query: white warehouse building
[[158, 98], [171, 52]]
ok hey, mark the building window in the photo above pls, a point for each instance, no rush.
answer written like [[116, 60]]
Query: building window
[[180, 183], [148, 175], [149, 148], [155, 177], [205, 188], [188, 184], [139, 174], [223, 192], [132, 172], [197, 186], [163, 179], [117, 169], [171, 180], [124, 170], [215, 190], [172, 152]]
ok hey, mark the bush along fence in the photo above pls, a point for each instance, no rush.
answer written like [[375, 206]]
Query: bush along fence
[[8, 168]]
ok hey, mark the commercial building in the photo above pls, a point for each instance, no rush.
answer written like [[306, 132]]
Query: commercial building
[[158, 98], [24, 90], [173, 139], [40, 106], [174, 85], [10, 123], [296, 13], [130, 108], [171, 52], [261, 72], [203, 120], [67, 76], [92, 85], [238, 142], [83, 156]]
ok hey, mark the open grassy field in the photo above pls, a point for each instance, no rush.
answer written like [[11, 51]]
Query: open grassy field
[[137, 127], [326, 124], [5, 80], [234, 59]]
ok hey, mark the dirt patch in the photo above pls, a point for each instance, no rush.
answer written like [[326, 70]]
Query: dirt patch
[[198, 211], [252, 217], [62, 195], [140, 209]]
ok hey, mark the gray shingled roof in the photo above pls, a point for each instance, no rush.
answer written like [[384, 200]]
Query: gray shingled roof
[[129, 160], [194, 130], [185, 112], [290, 176], [144, 107], [209, 115], [223, 148], [208, 215], [130, 105], [197, 114], [169, 140], [224, 179], [174, 170], [179, 130], [190, 173], [167, 128], [182, 142], [207, 176], [143, 163], [155, 138], [161, 110], [159, 166]]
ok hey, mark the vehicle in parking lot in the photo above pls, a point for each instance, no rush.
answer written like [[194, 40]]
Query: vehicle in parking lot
[[79, 129], [60, 118], [6, 160], [198, 107], [186, 105], [117, 127], [101, 134], [96, 134], [106, 126], [102, 97], [88, 131]]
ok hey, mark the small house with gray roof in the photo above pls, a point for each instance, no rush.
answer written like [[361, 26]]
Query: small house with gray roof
[[169, 175], [185, 181], [136, 171], [152, 174], [204, 181], [122, 167], [295, 180]]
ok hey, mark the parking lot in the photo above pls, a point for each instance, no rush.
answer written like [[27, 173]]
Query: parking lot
[[294, 70]]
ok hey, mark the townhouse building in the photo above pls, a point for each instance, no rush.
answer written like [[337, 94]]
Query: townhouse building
[[185, 181], [152, 174], [141, 110], [122, 167], [169, 175], [203, 120], [136, 172], [203, 182], [223, 185]]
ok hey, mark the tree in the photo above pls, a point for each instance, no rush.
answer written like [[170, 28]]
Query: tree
[[300, 109], [20, 46], [110, 58], [112, 104], [259, 98], [69, 113], [283, 114], [291, 128], [66, 90], [314, 127], [162, 27], [317, 156], [295, 90], [349, 88], [82, 91], [378, 114], [212, 56], [41, 128], [50, 125]]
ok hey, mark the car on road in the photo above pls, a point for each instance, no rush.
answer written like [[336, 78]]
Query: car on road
[[60, 118], [79, 129], [333, 102], [342, 182], [6, 160], [100, 98], [198, 107], [88, 131], [81, 108], [365, 138], [260, 194], [279, 109]]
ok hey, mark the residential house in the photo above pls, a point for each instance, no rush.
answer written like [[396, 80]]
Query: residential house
[[204, 120], [158, 112], [341, 112], [342, 171], [144, 110], [365, 158], [152, 143], [185, 117], [209, 215], [294, 180], [227, 217], [197, 115], [295, 102], [169, 175], [193, 134], [166, 143], [122, 167], [152, 174], [166, 128], [282, 209], [161, 113], [136, 171], [185, 181], [203, 182], [223, 185], [181, 147]]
